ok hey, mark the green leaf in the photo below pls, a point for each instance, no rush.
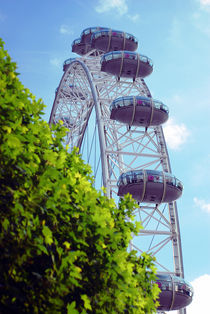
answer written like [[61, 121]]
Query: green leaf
[[71, 308], [47, 235], [86, 300]]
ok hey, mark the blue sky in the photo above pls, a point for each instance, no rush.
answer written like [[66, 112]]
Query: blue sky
[[175, 34]]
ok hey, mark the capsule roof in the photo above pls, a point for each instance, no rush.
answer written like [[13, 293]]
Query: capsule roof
[[140, 100], [80, 47], [127, 55], [103, 39], [114, 33], [92, 29], [87, 32], [67, 62], [113, 40]]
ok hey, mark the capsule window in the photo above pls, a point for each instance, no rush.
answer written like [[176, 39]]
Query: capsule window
[[150, 178], [97, 35], [143, 58], [140, 177], [108, 57], [127, 102], [129, 56], [179, 185], [158, 179], [134, 178], [124, 180], [157, 105], [164, 286], [163, 108], [139, 102], [118, 104], [129, 179], [169, 180], [146, 103], [117, 55], [116, 34]]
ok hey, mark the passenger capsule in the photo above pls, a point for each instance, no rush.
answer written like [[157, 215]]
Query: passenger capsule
[[67, 62], [126, 64], [138, 111], [150, 186], [80, 48], [111, 40], [87, 33], [175, 293]]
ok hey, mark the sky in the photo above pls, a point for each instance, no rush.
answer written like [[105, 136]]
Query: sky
[[175, 34]]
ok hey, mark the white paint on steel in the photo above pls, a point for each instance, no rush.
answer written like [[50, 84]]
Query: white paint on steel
[[122, 148]]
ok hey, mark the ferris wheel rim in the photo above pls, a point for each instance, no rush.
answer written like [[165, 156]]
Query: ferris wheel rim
[[96, 102]]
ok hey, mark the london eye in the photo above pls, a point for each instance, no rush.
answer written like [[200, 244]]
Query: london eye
[[103, 100]]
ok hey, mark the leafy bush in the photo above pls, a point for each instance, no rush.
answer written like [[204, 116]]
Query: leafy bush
[[63, 245]]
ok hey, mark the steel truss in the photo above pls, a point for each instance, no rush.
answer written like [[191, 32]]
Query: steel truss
[[82, 102]]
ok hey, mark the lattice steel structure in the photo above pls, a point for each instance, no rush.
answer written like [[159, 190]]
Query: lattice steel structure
[[82, 102]]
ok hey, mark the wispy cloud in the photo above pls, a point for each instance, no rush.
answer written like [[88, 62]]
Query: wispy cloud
[[201, 21], [119, 5], [205, 4], [2, 17], [176, 134], [134, 18], [202, 204], [116, 6], [200, 18], [65, 29], [175, 31], [56, 62]]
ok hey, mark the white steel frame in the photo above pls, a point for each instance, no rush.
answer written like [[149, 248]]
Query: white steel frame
[[122, 148]]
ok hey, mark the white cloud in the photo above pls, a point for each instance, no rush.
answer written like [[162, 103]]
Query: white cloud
[[201, 300], [201, 20], [2, 17], [65, 29], [205, 2], [204, 5], [116, 6], [56, 62], [175, 32], [134, 18], [202, 204], [176, 135], [108, 5]]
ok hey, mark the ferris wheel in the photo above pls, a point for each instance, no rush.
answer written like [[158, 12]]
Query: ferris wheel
[[112, 118]]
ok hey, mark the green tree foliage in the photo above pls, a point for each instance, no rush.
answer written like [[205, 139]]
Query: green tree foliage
[[63, 245]]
